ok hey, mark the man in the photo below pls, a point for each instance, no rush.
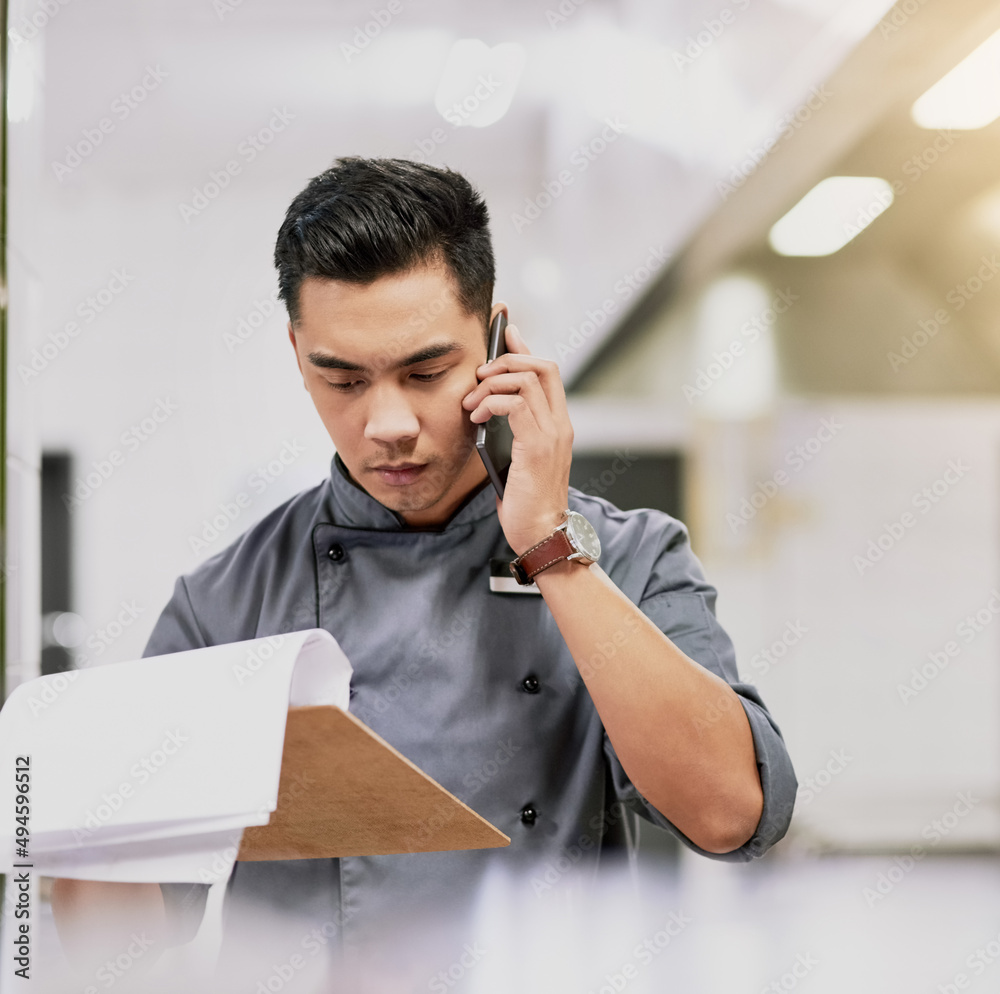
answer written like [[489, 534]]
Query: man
[[610, 681]]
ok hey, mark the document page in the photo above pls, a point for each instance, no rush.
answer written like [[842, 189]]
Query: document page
[[149, 770]]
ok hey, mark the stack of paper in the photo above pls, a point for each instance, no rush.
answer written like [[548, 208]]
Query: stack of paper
[[150, 770]]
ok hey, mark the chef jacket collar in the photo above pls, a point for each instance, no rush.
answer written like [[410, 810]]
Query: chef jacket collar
[[356, 508]]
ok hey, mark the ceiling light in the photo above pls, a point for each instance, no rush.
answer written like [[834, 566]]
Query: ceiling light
[[830, 215], [478, 83], [969, 96]]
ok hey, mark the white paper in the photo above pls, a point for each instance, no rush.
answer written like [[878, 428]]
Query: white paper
[[149, 770]]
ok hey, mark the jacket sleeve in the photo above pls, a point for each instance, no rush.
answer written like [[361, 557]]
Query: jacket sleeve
[[177, 629], [681, 603]]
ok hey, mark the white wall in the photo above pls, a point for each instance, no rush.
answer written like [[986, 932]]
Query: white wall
[[855, 630]]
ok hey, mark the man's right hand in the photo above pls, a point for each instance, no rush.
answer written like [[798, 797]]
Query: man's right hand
[[101, 920]]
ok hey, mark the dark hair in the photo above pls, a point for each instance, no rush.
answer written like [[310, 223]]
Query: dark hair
[[367, 218]]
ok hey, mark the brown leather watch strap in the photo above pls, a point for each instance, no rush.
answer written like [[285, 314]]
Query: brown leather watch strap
[[548, 552]]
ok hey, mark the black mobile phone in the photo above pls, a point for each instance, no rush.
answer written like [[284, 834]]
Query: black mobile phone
[[494, 437]]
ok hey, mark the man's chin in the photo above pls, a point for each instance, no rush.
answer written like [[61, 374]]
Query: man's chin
[[420, 495]]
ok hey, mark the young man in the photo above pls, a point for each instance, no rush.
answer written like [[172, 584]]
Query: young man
[[612, 681]]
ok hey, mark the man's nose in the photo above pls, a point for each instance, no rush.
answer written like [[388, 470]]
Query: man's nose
[[390, 418]]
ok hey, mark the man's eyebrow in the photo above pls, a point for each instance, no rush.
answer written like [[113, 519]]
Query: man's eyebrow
[[326, 361]]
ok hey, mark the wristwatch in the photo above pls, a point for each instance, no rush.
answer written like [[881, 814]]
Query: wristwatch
[[575, 539]]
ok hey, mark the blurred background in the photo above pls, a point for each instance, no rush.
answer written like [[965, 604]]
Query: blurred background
[[760, 239]]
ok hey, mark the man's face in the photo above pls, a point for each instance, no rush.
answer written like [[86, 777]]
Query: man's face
[[387, 365]]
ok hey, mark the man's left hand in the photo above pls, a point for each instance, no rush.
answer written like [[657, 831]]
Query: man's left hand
[[529, 391]]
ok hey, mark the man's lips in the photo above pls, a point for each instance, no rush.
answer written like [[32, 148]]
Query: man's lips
[[400, 474]]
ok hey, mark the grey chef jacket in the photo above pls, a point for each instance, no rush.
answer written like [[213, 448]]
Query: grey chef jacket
[[443, 671]]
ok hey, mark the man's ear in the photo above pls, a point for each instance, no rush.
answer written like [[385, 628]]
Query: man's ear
[[499, 306], [295, 349]]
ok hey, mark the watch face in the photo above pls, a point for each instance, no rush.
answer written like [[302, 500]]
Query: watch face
[[583, 537]]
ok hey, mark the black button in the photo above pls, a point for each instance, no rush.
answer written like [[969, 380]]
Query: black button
[[530, 684], [336, 553], [528, 814]]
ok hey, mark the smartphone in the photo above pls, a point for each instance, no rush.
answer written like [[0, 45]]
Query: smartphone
[[494, 437]]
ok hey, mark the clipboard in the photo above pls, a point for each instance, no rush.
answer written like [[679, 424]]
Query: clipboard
[[344, 791], [135, 779]]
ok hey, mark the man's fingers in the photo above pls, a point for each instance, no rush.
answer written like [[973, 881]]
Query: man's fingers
[[523, 385], [545, 370], [512, 406]]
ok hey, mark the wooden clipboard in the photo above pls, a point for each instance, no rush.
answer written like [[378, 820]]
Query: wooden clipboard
[[344, 791]]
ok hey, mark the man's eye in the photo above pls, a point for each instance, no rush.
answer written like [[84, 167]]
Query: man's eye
[[344, 387], [428, 377]]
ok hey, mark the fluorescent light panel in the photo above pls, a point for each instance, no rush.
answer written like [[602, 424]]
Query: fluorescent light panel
[[830, 215], [969, 96]]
